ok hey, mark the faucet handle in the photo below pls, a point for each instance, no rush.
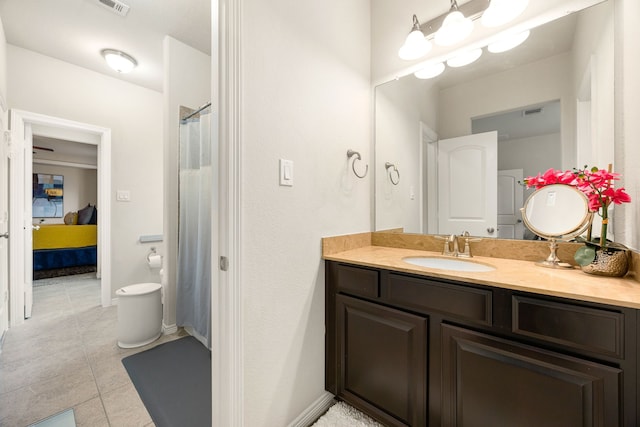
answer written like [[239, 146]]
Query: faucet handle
[[466, 253], [447, 239]]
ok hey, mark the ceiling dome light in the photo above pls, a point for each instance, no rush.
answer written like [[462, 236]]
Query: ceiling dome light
[[416, 45], [455, 27], [119, 61], [430, 71], [500, 12], [464, 58], [509, 42]]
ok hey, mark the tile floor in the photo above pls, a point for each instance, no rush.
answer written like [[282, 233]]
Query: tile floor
[[66, 356]]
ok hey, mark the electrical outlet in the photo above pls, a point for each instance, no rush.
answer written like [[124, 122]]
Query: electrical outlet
[[123, 196]]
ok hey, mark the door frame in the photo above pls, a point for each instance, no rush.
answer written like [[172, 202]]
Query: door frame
[[20, 223]]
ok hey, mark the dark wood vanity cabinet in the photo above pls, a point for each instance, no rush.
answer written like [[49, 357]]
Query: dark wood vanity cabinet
[[382, 359], [417, 351]]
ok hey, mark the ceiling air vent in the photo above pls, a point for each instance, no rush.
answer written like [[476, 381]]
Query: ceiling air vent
[[531, 111], [115, 6]]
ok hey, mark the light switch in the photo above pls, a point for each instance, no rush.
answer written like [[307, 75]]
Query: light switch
[[123, 196], [286, 172]]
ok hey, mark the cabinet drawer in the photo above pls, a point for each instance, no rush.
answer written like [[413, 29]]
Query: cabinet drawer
[[464, 302], [583, 328], [358, 281]]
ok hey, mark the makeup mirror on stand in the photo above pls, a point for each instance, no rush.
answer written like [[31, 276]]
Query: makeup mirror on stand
[[556, 212]]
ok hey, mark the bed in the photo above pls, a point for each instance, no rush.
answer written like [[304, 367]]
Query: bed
[[61, 250]]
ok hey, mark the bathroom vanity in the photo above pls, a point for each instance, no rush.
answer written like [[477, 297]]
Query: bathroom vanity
[[516, 346]]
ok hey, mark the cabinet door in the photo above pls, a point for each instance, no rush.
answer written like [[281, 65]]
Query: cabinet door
[[382, 361], [488, 381]]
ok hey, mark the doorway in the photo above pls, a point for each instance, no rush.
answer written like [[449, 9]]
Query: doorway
[[24, 125]]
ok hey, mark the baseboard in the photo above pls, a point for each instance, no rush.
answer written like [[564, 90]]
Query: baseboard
[[114, 301], [169, 329], [314, 411]]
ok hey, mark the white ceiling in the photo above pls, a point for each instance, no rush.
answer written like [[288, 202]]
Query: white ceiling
[[75, 31]]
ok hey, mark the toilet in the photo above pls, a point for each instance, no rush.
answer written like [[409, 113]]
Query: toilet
[[139, 314]]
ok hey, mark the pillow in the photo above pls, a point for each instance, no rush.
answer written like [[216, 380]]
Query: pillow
[[71, 218], [94, 216], [84, 214]]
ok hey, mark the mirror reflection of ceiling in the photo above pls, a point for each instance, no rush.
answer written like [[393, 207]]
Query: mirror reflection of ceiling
[[553, 38], [533, 120]]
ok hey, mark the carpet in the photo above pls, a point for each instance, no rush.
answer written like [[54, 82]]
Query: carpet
[[174, 382], [343, 415]]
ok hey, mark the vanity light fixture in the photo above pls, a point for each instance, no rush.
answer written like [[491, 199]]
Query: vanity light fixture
[[465, 58], [500, 12], [415, 45], [119, 61], [455, 28], [508, 42], [430, 71]]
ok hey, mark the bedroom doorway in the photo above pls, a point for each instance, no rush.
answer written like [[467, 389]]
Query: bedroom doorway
[[23, 126]]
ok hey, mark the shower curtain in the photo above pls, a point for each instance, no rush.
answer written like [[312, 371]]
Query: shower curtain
[[194, 230]]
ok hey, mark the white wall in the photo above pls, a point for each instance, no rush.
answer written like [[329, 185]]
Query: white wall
[[80, 188], [627, 104], [187, 82], [48, 86], [306, 97], [534, 83], [593, 54], [533, 155], [4, 179], [400, 106]]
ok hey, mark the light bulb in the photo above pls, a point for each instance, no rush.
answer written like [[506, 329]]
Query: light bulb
[[500, 12], [119, 61], [415, 45], [455, 28]]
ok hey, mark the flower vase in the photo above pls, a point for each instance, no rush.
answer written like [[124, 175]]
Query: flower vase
[[611, 262]]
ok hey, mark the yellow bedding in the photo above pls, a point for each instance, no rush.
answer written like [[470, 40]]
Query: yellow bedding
[[56, 236]]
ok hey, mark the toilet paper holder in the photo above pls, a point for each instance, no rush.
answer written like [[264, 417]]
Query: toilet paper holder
[[152, 252], [154, 260]]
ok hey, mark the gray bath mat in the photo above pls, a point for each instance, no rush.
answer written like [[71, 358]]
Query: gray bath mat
[[174, 382]]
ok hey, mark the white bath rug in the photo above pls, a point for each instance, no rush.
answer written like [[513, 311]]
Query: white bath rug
[[343, 415]]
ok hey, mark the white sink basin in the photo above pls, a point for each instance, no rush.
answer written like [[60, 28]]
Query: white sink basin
[[453, 264]]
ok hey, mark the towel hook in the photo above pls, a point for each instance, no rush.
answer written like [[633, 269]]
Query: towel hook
[[351, 153], [390, 173]]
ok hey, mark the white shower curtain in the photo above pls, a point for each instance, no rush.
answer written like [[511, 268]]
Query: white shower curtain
[[194, 232]]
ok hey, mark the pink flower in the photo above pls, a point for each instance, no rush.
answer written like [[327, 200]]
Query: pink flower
[[617, 196]]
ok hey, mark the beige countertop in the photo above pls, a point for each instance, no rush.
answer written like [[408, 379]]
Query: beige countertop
[[509, 274]]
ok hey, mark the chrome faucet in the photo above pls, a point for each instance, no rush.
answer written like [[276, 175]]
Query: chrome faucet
[[453, 239], [447, 245]]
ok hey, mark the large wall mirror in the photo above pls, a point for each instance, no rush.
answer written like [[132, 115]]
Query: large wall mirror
[[548, 103]]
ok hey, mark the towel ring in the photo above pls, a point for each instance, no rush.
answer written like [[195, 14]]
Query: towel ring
[[351, 153], [390, 173]]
